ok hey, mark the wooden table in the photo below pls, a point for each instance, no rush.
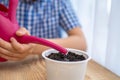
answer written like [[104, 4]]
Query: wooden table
[[37, 71], [97, 72]]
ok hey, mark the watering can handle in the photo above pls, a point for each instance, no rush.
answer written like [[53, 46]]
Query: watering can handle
[[12, 11]]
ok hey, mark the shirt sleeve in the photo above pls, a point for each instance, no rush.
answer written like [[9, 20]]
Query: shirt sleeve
[[68, 19]]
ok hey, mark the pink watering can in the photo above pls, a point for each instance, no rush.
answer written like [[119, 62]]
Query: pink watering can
[[9, 26]]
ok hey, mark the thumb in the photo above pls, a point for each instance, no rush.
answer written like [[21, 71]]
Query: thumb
[[22, 31]]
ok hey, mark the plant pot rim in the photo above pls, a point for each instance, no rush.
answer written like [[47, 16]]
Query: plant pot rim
[[65, 62]]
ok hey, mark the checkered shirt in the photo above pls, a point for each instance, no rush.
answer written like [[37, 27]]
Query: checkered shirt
[[45, 18]]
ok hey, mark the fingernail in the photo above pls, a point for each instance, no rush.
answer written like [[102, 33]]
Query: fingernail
[[20, 32]]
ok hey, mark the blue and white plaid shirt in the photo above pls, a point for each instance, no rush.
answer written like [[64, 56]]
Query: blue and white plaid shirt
[[43, 18]]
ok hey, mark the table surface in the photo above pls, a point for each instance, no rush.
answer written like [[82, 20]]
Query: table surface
[[97, 72], [37, 71]]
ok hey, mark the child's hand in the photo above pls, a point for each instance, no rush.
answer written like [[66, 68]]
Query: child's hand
[[14, 51]]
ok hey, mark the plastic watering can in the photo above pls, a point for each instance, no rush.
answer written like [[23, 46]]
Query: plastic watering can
[[9, 26]]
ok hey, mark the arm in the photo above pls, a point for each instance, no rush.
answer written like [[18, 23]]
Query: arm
[[75, 40]]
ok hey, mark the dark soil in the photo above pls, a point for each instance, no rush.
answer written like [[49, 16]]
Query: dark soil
[[69, 57]]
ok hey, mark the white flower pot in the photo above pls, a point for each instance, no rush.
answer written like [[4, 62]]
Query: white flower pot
[[60, 70]]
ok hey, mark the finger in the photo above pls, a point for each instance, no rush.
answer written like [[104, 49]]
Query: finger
[[9, 58], [22, 49], [4, 44], [9, 53], [22, 31], [16, 45]]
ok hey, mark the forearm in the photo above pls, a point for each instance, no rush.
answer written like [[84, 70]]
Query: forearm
[[71, 42], [74, 40]]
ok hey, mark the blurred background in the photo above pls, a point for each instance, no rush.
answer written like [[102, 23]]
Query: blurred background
[[100, 20]]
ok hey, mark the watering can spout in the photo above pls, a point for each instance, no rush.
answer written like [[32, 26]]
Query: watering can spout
[[33, 39], [9, 26]]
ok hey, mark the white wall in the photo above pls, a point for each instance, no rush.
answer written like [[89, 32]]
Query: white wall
[[100, 23]]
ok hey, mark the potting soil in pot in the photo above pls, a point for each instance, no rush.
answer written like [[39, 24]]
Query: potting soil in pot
[[69, 57]]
